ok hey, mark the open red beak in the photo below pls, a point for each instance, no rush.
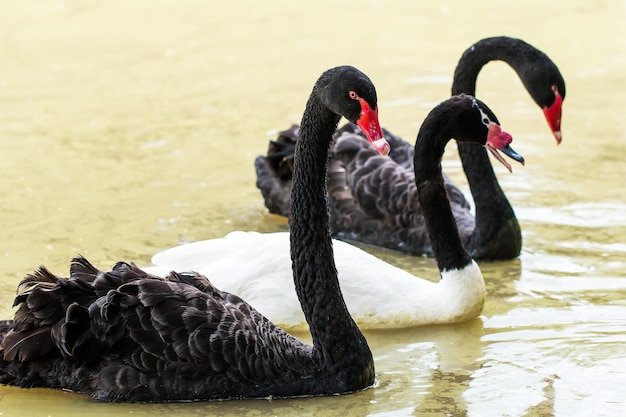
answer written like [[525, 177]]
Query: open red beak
[[499, 140]]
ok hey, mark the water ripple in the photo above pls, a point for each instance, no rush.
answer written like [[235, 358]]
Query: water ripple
[[591, 214]]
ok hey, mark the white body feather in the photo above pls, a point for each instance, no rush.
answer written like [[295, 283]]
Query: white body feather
[[257, 267]]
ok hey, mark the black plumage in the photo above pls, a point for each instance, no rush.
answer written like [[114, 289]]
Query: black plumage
[[126, 335], [378, 205]]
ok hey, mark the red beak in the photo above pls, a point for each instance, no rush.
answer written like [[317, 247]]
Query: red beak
[[553, 115], [368, 122]]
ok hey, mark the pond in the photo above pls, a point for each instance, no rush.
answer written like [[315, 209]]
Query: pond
[[131, 127]]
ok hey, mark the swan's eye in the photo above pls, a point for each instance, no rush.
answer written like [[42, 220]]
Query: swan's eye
[[353, 95], [555, 88], [485, 121]]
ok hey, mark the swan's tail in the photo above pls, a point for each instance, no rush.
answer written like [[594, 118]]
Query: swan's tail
[[274, 172]]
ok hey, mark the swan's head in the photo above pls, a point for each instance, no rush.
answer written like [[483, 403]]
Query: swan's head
[[546, 86], [497, 139], [350, 93]]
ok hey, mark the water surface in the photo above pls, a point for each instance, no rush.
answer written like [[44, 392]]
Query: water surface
[[129, 127]]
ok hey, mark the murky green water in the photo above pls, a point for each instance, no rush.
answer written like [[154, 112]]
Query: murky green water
[[129, 127]]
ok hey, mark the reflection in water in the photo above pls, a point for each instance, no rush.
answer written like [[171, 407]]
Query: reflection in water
[[436, 361], [578, 215], [562, 339], [563, 352], [119, 143]]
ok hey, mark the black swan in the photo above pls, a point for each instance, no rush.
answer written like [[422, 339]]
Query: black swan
[[378, 295], [126, 335], [368, 207]]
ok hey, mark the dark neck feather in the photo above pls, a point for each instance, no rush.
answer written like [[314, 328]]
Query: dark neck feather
[[496, 230], [432, 138], [335, 335], [521, 56]]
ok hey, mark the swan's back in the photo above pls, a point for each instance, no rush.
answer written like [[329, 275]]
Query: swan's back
[[372, 199], [263, 275], [378, 295], [128, 335]]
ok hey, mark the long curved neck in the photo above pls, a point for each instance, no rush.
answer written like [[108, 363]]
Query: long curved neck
[[491, 231], [443, 233], [335, 335], [514, 52]]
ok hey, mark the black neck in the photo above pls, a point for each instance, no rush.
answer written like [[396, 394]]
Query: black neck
[[488, 196], [515, 52], [335, 335], [443, 233]]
